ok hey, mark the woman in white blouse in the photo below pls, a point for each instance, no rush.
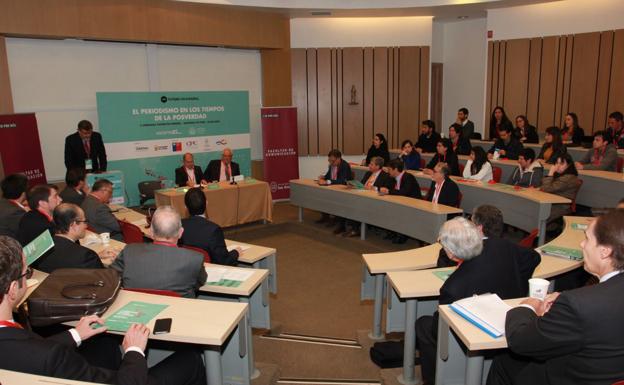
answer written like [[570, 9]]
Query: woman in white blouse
[[478, 167]]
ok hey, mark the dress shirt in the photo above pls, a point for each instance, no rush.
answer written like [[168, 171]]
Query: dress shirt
[[223, 176], [436, 194], [398, 180], [371, 179], [191, 175]]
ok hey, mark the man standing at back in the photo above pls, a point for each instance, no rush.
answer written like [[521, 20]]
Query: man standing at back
[[96, 209], [12, 203], [85, 149], [162, 265], [222, 170], [42, 200], [467, 126]]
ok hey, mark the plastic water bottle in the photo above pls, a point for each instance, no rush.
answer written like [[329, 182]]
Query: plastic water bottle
[[496, 154]]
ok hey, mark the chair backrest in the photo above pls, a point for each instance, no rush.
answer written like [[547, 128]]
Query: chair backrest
[[529, 240], [461, 169], [620, 164], [131, 232], [579, 183], [497, 172], [423, 163], [167, 293], [147, 188], [201, 251], [475, 135]]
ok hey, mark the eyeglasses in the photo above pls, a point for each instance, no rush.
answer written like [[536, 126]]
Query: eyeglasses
[[81, 221], [28, 274]]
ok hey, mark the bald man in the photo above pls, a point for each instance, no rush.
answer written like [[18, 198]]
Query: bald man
[[189, 175], [222, 170], [162, 265]]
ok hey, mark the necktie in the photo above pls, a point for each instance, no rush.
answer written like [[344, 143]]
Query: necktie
[[227, 172], [87, 147]]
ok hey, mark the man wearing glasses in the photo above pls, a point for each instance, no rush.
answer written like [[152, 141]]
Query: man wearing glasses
[[97, 212]]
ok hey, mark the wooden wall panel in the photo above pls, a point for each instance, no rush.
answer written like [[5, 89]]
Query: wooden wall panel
[[616, 89], [324, 98], [334, 97], [502, 59], [339, 83], [584, 76], [368, 95], [300, 96], [515, 80], [6, 96], [488, 89], [535, 54], [391, 94], [276, 77], [313, 141], [602, 82], [380, 90], [567, 76], [353, 110], [548, 83], [424, 89], [396, 79], [409, 92]]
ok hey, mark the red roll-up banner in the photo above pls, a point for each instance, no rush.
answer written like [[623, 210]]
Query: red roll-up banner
[[20, 148], [279, 140]]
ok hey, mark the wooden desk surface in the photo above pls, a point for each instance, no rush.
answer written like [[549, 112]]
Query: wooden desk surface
[[8, 377], [418, 283], [415, 259], [175, 191], [254, 253], [473, 337], [245, 289]]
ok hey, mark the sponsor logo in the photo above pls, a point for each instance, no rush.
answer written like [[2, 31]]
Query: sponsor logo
[[273, 186], [190, 143], [274, 115], [222, 142], [158, 147], [141, 148], [163, 99], [176, 146]]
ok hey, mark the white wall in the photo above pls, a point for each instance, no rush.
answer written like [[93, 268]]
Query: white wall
[[556, 18], [58, 79]]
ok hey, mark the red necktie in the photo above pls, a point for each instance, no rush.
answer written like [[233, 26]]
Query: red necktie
[[87, 147]]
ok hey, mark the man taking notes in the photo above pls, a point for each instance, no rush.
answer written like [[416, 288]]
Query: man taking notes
[[222, 170], [189, 175]]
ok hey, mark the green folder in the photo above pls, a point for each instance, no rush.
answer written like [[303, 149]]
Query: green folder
[[563, 252], [356, 183], [579, 226], [225, 282], [443, 274], [131, 313], [38, 246]]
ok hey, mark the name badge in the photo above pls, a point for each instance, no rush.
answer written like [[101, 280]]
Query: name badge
[[88, 164]]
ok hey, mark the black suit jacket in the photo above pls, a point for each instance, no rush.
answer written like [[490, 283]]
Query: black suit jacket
[[70, 195], [207, 235], [409, 187], [468, 129], [32, 224], [10, 216], [75, 154], [450, 159], [213, 170], [68, 254], [428, 144], [449, 195], [512, 149], [579, 340], [344, 173], [56, 356], [463, 146], [181, 177], [383, 180]]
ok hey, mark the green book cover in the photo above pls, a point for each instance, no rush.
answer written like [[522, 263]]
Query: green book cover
[[133, 312], [38, 246], [355, 183], [556, 251], [579, 226], [225, 282], [443, 274]]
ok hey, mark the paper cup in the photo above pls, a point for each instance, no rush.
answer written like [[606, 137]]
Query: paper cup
[[105, 237], [538, 288]]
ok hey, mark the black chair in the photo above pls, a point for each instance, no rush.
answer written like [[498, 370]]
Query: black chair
[[475, 136], [146, 191]]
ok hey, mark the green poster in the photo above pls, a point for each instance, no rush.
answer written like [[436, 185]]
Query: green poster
[[131, 313], [38, 246]]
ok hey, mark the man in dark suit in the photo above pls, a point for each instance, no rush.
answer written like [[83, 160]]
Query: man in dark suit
[[507, 145], [76, 188], [85, 149], [162, 265], [99, 215], [12, 203], [467, 126], [58, 356], [574, 337], [222, 170], [338, 172], [428, 139], [42, 200], [202, 233], [189, 175], [488, 265], [443, 189], [71, 226]]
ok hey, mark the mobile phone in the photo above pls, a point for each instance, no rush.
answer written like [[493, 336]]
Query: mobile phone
[[162, 326]]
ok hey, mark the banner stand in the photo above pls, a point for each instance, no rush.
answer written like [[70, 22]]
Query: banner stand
[[280, 150]]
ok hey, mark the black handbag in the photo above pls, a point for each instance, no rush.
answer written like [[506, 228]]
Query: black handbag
[[388, 354], [69, 294]]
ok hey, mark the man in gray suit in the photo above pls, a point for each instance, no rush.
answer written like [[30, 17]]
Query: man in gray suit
[[96, 209], [11, 204], [162, 265]]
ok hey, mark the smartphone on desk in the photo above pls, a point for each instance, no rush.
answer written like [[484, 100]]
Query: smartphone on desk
[[162, 326]]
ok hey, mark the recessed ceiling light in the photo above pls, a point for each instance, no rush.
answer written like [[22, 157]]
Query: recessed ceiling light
[[462, 17]]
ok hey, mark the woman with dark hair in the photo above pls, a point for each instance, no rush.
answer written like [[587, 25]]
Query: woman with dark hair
[[444, 154], [553, 146], [562, 180], [499, 120], [525, 132], [571, 132], [378, 148], [409, 156], [478, 167]]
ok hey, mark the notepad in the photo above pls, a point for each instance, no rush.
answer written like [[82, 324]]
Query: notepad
[[223, 276], [563, 252], [487, 312], [131, 313], [242, 247], [38, 246]]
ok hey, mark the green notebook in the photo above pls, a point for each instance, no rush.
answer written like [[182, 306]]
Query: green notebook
[[563, 252], [131, 313], [355, 183], [38, 246], [443, 274], [579, 226]]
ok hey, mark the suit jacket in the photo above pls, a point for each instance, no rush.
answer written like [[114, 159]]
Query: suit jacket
[[153, 266], [530, 134], [213, 170], [409, 187], [56, 356], [463, 146], [68, 254], [181, 177], [10, 216], [383, 180], [428, 143], [450, 159], [579, 340], [608, 160], [449, 195], [207, 235], [468, 129], [32, 224], [344, 173], [512, 149], [100, 217], [75, 153], [70, 195]]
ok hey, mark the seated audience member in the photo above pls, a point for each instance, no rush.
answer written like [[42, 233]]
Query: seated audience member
[[76, 188], [562, 180], [467, 126], [99, 215], [444, 154], [428, 139], [338, 172], [529, 172], [162, 265], [572, 337], [378, 148], [12, 207], [461, 144], [603, 155], [189, 174], [202, 233], [409, 156], [553, 146], [507, 145], [615, 131], [222, 170], [499, 122], [443, 189], [525, 132], [478, 167], [486, 265], [42, 200], [571, 133], [70, 225], [99, 359]]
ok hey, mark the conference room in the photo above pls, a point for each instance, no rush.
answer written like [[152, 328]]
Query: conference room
[[250, 183]]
